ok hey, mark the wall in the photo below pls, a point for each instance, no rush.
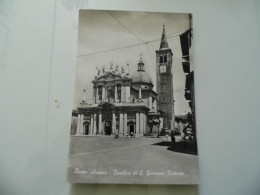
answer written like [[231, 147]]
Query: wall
[[37, 56]]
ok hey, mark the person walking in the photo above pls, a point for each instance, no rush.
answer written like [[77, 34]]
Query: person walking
[[173, 139]]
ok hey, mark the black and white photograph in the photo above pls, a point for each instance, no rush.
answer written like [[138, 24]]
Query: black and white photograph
[[133, 117]]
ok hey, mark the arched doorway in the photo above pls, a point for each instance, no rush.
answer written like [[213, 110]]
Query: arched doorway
[[108, 127], [131, 125], [86, 128]]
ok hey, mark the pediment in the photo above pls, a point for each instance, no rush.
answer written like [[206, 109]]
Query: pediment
[[108, 76]]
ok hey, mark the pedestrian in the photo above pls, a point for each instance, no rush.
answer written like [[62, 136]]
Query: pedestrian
[[116, 135], [132, 134], [173, 139], [167, 135]]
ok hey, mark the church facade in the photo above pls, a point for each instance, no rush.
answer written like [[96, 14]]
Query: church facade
[[126, 105]]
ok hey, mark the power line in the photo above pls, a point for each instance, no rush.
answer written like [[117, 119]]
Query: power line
[[134, 45], [110, 50], [125, 27]]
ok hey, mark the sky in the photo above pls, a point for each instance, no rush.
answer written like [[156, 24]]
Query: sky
[[106, 30]]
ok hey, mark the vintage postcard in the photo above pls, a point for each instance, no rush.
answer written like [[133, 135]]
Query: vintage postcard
[[133, 117]]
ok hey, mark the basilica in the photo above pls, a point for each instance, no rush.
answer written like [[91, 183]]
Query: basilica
[[128, 105]]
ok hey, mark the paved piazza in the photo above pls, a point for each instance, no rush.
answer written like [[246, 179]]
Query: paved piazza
[[142, 160]]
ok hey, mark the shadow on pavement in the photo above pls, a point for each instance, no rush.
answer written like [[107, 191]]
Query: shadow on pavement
[[180, 147]]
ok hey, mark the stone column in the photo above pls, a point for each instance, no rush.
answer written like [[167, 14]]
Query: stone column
[[122, 93], [127, 88], [137, 123], [100, 129], [103, 94], [91, 123], [150, 102], [94, 94], [81, 118], [181, 128], [82, 126], [161, 123], [97, 97], [103, 128], [140, 93], [113, 122], [125, 124], [106, 94], [141, 122], [78, 125], [116, 94], [145, 123], [95, 124], [121, 118]]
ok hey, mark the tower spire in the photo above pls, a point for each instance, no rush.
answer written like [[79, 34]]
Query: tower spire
[[164, 43]]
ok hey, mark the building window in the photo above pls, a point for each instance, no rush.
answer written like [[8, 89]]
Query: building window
[[119, 92], [163, 79], [100, 92], [165, 58], [161, 59]]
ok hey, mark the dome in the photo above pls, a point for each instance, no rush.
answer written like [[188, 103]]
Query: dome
[[141, 77]]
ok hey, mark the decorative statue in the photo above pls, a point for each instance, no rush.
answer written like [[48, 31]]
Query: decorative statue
[[111, 66], [84, 95], [117, 66], [103, 69], [98, 71], [122, 69], [127, 69]]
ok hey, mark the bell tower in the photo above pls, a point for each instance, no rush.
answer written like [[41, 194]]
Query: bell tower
[[164, 81]]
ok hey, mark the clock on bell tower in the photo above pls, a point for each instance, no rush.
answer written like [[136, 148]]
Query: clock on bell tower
[[164, 79]]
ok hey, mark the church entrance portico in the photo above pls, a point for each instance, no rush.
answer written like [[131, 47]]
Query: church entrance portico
[[107, 113]]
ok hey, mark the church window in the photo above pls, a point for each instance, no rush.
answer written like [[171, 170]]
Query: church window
[[100, 92], [165, 58], [119, 92], [161, 59]]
